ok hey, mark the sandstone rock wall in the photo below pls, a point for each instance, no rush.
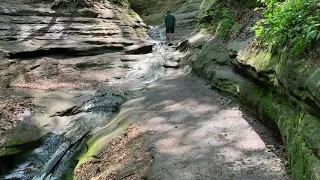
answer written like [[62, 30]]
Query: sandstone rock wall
[[43, 51], [33, 29], [282, 92]]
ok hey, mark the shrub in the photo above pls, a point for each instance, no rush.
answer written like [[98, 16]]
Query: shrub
[[217, 18], [226, 22], [291, 24]]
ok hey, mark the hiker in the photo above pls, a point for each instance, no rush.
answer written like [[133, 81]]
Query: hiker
[[170, 22]]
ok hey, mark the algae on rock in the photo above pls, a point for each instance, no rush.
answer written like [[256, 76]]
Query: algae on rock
[[283, 93]]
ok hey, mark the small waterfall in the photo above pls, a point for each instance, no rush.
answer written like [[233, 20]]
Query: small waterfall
[[148, 70]]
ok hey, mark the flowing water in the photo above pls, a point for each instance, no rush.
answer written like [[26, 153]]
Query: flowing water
[[148, 70], [56, 152]]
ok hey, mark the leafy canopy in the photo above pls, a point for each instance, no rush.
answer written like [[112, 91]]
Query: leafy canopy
[[291, 24]]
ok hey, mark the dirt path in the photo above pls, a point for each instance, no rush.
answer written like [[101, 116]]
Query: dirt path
[[192, 132], [195, 133], [199, 134]]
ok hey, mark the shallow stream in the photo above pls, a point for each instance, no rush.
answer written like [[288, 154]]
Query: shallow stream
[[54, 155]]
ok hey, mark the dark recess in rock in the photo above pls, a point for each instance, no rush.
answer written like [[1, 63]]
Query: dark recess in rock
[[139, 49], [64, 52], [183, 46]]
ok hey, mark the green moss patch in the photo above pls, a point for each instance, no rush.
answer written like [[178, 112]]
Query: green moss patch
[[9, 151], [299, 129], [279, 100]]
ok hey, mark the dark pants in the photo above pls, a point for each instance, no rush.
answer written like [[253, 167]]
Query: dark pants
[[169, 30]]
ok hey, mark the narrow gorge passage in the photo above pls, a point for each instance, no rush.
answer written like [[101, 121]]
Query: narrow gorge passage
[[108, 98], [188, 131]]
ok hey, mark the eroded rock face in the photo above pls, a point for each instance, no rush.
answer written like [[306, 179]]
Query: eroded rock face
[[77, 50], [58, 4], [70, 67], [35, 29], [139, 49]]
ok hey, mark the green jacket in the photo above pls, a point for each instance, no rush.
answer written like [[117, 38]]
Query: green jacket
[[169, 21]]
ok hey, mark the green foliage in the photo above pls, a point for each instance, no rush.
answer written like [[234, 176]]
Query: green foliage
[[217, 18], [226, 22], [291, 24], [253, 3]]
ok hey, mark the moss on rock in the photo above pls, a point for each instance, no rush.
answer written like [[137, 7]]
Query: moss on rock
[[299, 129], [297, 78], [311, 134], [9, 151], [24, 133], [99, 141], [283, 86]]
